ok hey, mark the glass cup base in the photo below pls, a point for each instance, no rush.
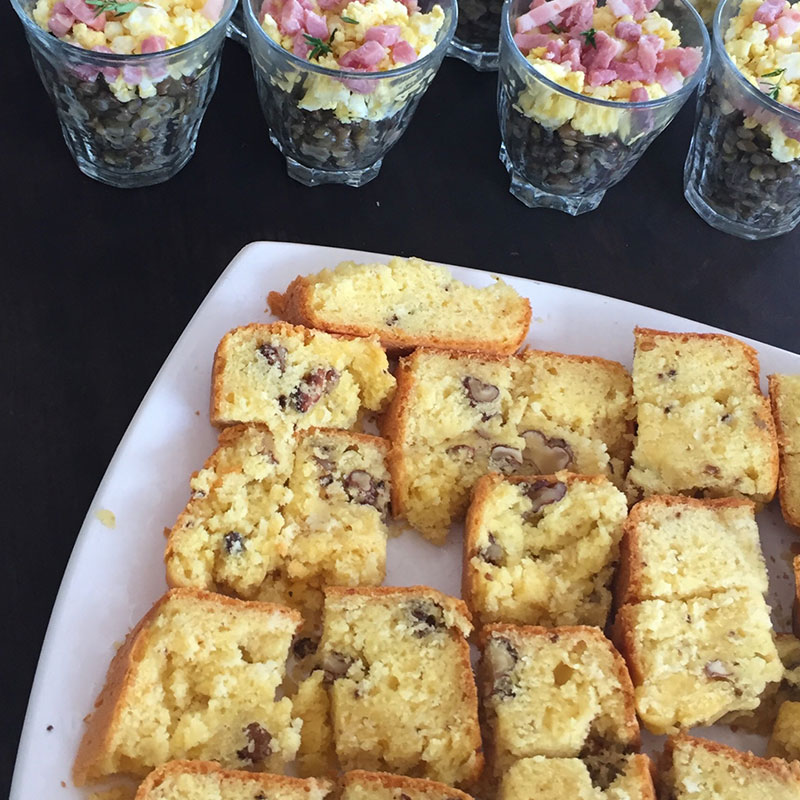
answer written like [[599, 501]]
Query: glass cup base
[[533, 197], [724, 224], [481, 60], [310, 176], [127, 179]]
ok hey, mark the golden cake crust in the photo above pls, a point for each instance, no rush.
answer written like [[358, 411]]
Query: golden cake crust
[[434, 789], [108, 706], [257, 780], [788, 443], [295, 305], [628, 586]]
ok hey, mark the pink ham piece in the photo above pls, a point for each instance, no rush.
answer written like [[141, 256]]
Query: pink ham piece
[[554, 48], [411, 5], [291, 17], [639, 95], [579, 17], [61, 20], [630, 71], [769, 11], [636, 8], [600, 77], [132, 75], [271, 7], [571, 56], [98, 23], [316, 25], [403, 53], [212, 9], [669, 81], [541, 15], [528, 41], [109, 73], [81, 10], [647, 56], [367, 57], [628, 32], [300, 47], [602, 54], [386, 35], [329, 5], [685, 59], [154, 44]]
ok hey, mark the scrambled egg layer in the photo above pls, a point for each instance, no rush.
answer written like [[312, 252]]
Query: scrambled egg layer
[[386, 98], [553, 110], [759, 58]]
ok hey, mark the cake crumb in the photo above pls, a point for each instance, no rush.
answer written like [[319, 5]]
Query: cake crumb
[[106, 517]]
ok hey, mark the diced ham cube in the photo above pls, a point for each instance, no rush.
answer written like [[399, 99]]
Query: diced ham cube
[[579, 17], [600, 77], [411, 5], [403, 53], [528, 41], [571, 55], [387, 35], [621, 8], [271, 7], [554, 48], [154, 44], [329, 5], [684, 59], [630, 71], [81, 10], [300, 47], [541, 15], [291, 17], [109, 73], [647, 56], [602, 54], [368, 56], [359, 86], [639, 95], [315, 25], [61, 20], [669, 80], [98, 23], [628, 32], [769, 11], [132, 75], [212, 9], [86, 73]]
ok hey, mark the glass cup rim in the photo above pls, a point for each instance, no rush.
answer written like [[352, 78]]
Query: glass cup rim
[[111, 58], [507, 40], [449, 6], [718, 45]]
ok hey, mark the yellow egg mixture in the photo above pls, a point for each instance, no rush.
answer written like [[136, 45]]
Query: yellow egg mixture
[[553, 110], [759, 58], [322, 92]]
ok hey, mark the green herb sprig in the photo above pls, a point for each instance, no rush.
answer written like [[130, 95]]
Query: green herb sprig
[[589, 36], [318, 47], [349, 19], [553, 27], [111, 7], [776, 87]]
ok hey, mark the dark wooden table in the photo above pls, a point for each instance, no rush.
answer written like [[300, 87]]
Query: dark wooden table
[[98, 283]]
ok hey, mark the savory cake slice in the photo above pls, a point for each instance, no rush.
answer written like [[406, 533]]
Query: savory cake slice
[[703, 426], [784, 741], [271, 525], [289, 377], [402, 698], [206, 780], [407, 303], [541, 550], [693, 768], [195, 679], [675, 548], [693, 661], [456, 417], [362, 785], [556, 692], [784, 394], [626, 777]]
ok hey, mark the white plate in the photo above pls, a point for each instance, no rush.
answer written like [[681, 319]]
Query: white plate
[[114, 575]]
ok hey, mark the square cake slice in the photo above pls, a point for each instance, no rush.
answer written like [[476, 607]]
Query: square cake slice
[[362, 785], [269, 523], [206, 780], [784, 742], [538, 778], [456, 417], [541, 550], [675, 548], [699, 769], [396, 665], [693, 661], [408, 303], [703, 426], [288, 377], [784, 394], [556, 692], [195, 679]]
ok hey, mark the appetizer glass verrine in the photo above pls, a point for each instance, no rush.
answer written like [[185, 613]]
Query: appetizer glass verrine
[[732, 178], [345, 143], [564, 150], [116, 135], [477, 37]]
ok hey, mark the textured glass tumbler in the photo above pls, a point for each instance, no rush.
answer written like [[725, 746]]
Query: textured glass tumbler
[[336, 126], [732, 178], [115, 135], [564, 150], [477, 39]]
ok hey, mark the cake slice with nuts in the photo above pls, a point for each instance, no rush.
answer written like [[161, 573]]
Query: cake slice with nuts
[[289, 377], [362, 785], [541, 550], [206, 780], [693, 661], [195, 679], [784, 394], [408, 303], [265, 522], [626, 777], [555, 692], [395, 666], [693, 768], [456, 417], [703, 426]]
